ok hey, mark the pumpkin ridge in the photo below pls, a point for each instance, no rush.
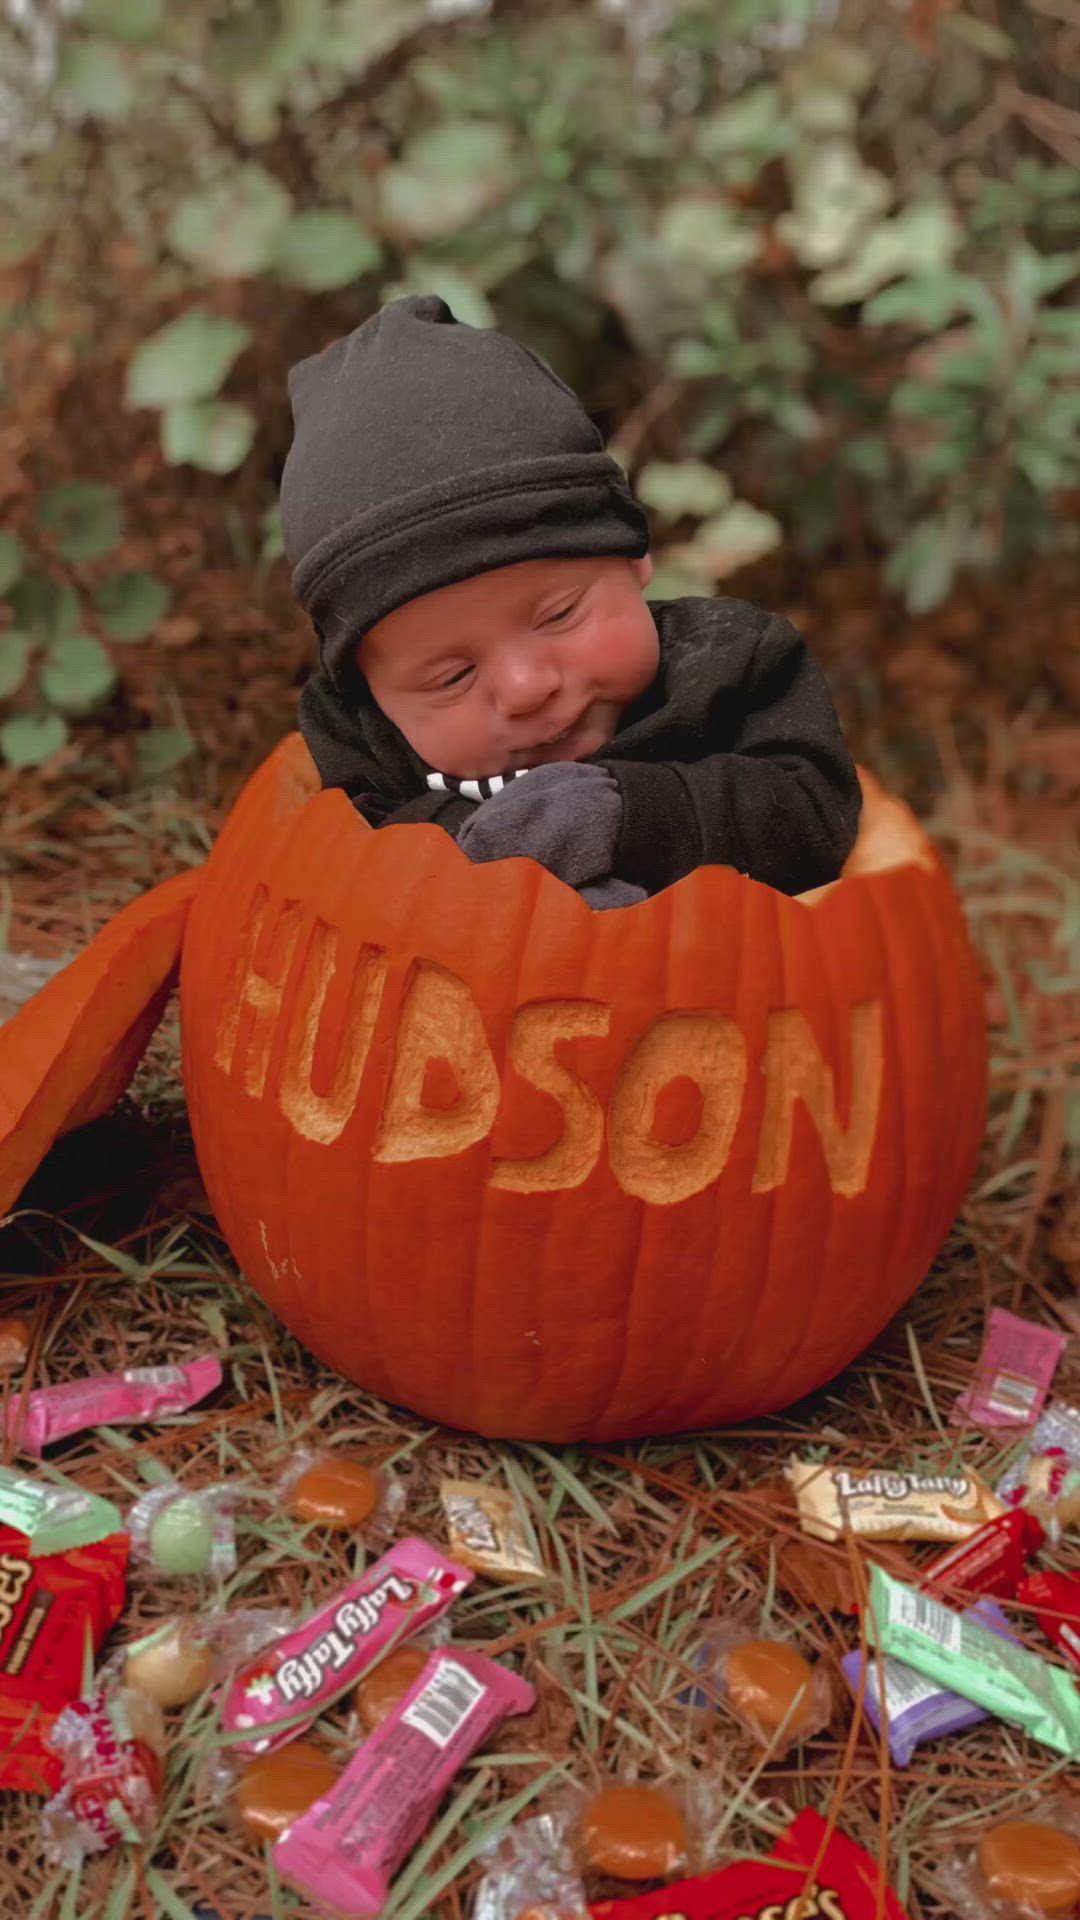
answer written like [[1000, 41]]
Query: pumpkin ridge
[[894, 1240]]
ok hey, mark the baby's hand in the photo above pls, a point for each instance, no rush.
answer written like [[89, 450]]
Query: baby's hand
[[565, 816]]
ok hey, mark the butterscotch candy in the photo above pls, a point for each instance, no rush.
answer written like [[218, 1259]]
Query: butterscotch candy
[[378, 1694], [634, 1833], [764, 1680], [1035, 1866], [338, 1494], [278, 1787]]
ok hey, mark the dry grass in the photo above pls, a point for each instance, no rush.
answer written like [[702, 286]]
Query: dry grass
[[645, 1544]]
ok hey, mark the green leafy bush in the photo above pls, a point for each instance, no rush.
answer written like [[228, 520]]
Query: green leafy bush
[[819, 284]]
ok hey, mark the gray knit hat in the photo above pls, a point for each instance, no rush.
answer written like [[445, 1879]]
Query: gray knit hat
[[426, 451]]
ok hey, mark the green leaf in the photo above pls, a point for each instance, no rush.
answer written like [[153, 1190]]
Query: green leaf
[[930, 300], [446, 178], [986, 39], [215, 435], [132, 20], [15, 651], [96, 78], [923, 564], [708, 233], [325, 248], [11, 560], [836, 196], [922, 238], [161, 749], [186, 360], [734, 538], [235, 228], [78, 674], [30, 739], [678, 487], [46, 609], [131, 604], [85, 516]]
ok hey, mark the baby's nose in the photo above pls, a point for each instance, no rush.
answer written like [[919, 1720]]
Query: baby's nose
[[526, 680]]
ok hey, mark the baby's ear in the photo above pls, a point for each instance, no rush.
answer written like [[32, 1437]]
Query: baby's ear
[[644, 569]]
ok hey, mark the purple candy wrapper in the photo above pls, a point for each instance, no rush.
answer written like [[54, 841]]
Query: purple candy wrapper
[[918, 1709]]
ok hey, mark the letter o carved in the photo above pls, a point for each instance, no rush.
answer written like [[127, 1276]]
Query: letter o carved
[[707, 1048]]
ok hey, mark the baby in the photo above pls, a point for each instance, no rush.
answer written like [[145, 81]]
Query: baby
[[474, 565]]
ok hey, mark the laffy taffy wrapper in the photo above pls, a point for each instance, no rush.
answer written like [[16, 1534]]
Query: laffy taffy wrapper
[[111, 1749], [887, 1504], [810, 1875], [35, 1420], [288, 1687], [486, 1531], [1023, 1866], [959, 1653], [1012, 1375], [915, 1708], [346, 1848]]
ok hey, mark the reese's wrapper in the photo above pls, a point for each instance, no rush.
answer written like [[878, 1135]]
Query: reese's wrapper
[[889, 1504], [965, 1656]]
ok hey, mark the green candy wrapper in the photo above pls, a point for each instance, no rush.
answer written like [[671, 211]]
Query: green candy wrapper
[[953, 1649], [55, 1515]]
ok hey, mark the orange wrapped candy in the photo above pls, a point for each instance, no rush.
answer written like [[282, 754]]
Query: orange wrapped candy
[[336, 1492], [1032, 1866], [14, 1344], [634, 1833], [278, 1787], [770, 1686], [379, 1692]]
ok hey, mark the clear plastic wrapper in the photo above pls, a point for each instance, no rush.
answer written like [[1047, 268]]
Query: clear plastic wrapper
[[54, 1515], [38, 1419], [177, 1530], [343, 1494], [172, 1664], [633, 1830], [110, 1747], [1051, 1449], [531, 1871], [780, 1696], [345, 1850], [1023, 1867]]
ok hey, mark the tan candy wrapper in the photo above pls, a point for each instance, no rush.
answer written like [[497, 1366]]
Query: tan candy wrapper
[[885, 1505], [486, 1532]]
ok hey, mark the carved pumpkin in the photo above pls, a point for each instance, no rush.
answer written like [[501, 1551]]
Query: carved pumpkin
[[547, 1173]]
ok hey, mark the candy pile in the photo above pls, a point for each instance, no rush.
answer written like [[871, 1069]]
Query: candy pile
[[944, 1643]]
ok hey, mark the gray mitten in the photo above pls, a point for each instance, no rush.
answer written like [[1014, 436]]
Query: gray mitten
[[612, 892], [566, 816]]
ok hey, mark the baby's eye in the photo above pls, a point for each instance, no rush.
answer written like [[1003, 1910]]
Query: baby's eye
[[562, 613], [456, 679]]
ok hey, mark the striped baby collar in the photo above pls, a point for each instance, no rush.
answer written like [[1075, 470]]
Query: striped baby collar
[[473, 789]]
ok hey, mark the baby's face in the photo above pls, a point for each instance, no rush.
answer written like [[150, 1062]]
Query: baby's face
[[517, 667]]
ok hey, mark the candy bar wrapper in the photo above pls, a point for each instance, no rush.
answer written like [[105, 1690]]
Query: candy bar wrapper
[[1055, 1601], [845, 1886], [959, 1653], [916, 1709], [1054, 1437], [409, 1587], [346, 1848], [990, 1563], [54, 1515], [1012, 1375], [486, 1531], [532, 1870], [35, 1420], [111, 1750], [54, 1614], [887, 1505]]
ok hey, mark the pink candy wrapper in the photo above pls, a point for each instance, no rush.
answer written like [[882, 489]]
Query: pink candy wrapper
[[346, 1848], [35, 1420], [274, 1700], [1012, 1376]]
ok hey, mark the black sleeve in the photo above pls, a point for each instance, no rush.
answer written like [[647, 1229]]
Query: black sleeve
[[374, 784], [782, 804]]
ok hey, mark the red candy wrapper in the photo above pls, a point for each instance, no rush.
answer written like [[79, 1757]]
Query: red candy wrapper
[[991, 1564], [288, 1687], [345, 1849], [1055, 1600], [845, 1885], [35, 1420], [111, 1751], [54, 1613]]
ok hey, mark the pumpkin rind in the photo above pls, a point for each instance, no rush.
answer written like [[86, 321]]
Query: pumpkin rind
[[70, 1052], [499, 1265]]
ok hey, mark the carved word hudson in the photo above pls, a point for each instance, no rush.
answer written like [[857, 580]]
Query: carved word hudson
[[674, 1105]]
